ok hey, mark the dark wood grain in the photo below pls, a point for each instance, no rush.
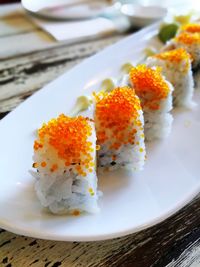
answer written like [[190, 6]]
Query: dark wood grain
[[156, 247], [22, 75]]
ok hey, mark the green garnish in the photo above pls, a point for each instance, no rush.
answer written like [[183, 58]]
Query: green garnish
[[107, 85], [150, 51], [126, 67], [167, 32], [82, 103]]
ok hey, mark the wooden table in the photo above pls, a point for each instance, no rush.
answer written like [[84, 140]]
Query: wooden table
[[29, 59]]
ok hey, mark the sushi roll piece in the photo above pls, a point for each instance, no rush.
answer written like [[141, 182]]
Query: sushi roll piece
[[190, 42], [119, 126], [64, 157], [155, 94], [176, 67]]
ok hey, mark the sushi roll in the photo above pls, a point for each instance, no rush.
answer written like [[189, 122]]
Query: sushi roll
[[190, 42], [176, 67], [119, 126], [64, 157], [155, 94]]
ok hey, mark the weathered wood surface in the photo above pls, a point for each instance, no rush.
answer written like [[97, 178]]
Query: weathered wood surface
[[173, 243], [28, 62], [20, 76]]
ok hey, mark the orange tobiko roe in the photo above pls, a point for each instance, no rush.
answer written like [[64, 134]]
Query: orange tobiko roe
[[175, 55], [188, 38], [117, 111], [69, 137], [191, 27], [149, 85]]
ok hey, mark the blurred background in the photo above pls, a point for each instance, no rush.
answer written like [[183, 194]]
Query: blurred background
[[192, 3], [75, 20], [8, 1]]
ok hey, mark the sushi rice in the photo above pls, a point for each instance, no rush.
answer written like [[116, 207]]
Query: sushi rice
[[176, 67], [120, 134], [65, 159], [190, 42], [155, 93]]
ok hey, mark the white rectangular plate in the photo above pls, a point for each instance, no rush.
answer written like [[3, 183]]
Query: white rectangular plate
[[170, 179]]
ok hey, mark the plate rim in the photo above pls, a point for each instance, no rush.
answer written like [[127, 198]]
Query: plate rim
[[159, 219]]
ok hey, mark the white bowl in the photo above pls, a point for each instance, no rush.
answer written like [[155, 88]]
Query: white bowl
[[141, 16]]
